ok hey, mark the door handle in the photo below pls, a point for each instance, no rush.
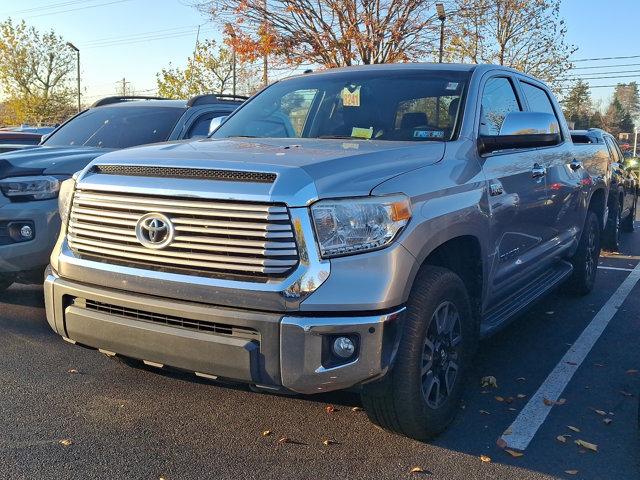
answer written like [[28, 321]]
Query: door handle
[[575, 164], [538, 171]]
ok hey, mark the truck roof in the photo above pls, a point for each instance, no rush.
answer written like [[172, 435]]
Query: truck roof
[[460, 67]]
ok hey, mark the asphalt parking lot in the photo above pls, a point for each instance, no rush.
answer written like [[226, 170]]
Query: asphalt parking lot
[[66, 412]]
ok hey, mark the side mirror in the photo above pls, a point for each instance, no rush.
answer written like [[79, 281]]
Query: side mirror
[[523, 130], [215, 123]]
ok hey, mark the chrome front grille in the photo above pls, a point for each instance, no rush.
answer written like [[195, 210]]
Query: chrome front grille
[[216, 238]]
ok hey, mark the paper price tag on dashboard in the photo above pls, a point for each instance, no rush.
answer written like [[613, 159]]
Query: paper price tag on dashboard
[[350, 98]]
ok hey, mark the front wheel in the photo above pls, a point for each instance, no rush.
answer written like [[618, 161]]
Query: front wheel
[[421, 395], [585, 260]]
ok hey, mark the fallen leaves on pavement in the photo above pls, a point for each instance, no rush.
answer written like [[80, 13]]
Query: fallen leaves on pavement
[[513, 453], [575, 429], [632, 372], [550, 403], [330, 409], [607, 421], [586, 445], [562, 438], [485, 459], [356, 409], [65, 442], [329, 442], [489, 381], [266, 433], [419, 470], [571, 472]]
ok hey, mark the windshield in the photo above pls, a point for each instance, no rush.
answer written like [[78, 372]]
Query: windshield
[[117, 127], [373, 105]]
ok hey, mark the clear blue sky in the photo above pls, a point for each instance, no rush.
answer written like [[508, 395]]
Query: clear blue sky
[[136, 38]]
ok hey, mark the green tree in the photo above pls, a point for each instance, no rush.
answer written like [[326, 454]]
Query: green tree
[[627, 95], [616, 119], [578, 106], [596, 120], [210, 70], [36, 70]]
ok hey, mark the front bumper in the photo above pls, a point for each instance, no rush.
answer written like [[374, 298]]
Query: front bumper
[[270, 350], [32, 254]]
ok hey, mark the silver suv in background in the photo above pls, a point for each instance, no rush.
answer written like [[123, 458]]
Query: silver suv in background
[[623, 191], [360, 227], [30, 178]]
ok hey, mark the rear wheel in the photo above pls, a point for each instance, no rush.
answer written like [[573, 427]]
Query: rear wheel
[[611, 237], [585, 260], [421, 395], [627, 223]]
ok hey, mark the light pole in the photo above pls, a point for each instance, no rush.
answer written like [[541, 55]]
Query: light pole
[[75, 49], [442, 16], [635, 141]]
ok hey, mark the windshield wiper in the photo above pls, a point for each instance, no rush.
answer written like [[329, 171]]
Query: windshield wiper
[[241, 136]]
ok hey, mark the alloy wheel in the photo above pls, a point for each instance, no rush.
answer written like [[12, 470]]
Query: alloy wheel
[[441, 354]]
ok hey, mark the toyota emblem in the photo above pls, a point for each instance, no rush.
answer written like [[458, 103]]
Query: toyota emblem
[[155, 230]]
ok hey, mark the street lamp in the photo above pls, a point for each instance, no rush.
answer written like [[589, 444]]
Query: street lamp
[[75, 49], [635, 141], [442, 16]]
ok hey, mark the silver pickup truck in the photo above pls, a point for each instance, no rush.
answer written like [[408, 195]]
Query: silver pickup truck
[[353, 228]]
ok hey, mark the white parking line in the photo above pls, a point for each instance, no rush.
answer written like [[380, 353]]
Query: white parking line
[[533, 415], [603, 267]]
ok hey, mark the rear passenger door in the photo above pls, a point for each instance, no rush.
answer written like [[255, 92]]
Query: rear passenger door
[[517, 194], [565, 173]]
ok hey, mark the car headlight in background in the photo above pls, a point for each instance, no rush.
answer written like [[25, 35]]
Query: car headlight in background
[[357, 225], [65, 198], [30, 188]]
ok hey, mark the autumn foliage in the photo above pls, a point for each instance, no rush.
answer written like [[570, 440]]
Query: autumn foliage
[[329, 33]]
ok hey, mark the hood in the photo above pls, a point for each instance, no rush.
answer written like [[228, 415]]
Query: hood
[[47, 160], [306, 169]]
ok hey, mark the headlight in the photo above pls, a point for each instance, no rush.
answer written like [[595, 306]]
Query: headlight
[[30, 188], [357, 225], [64, 199]]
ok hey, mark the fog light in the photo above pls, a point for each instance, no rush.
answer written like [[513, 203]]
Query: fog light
[[26, 232], [343, 347]]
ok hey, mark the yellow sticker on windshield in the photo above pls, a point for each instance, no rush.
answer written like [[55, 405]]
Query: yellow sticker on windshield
[[350, 97], [365, 133]]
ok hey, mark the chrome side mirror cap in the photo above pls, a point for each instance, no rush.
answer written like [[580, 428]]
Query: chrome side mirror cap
[[530, 123]]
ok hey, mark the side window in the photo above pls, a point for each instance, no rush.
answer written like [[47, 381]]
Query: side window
[[498, 100], [200, 128], [615, 153], [537, 98]]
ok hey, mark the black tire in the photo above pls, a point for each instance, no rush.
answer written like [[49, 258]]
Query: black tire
[[611, 234], [397, 402], [5, 281], [627, 223], [585, 260]]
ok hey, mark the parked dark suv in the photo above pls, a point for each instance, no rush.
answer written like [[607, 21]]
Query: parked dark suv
[[30, 179], [622, 198]]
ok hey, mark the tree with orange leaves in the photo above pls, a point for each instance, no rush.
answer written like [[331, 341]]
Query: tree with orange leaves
[[330, 33]]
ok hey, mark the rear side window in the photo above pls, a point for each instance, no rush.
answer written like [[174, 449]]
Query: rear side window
[[498, 100], [615, 153], [537, 99]]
